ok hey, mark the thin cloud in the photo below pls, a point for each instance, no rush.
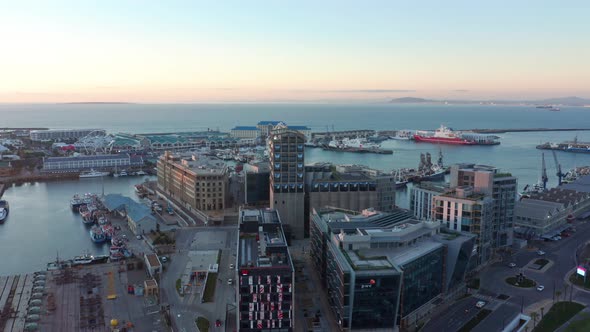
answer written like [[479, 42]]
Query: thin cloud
[[460, 90], [356, 91]]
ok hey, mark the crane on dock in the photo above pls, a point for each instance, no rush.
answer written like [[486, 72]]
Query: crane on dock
[[544, 177], [559, 174]]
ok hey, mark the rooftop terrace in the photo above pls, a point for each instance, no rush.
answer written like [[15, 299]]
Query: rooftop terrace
[[262, 242]]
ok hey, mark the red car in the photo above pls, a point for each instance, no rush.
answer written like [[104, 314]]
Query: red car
[[218, 323]]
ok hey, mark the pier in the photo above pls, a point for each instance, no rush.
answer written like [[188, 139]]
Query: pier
[[358, 150], [521, 130]]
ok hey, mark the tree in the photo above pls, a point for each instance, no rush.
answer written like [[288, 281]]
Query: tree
[[557, 295], [534, 316]]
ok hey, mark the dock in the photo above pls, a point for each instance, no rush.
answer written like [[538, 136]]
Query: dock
[[358, 150], [521, 130], [82, 298]]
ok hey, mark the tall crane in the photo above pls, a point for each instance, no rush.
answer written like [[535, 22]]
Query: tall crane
[[558, 167], [544, 177]]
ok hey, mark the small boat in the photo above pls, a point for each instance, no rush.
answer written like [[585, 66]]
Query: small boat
[[100, 259], [3, 211], [83, 259], [123, 173], [141, 173], [97, 235], [93, 174]]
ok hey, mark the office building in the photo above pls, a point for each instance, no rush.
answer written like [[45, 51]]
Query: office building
[[63, 134], [534, 218], [81, 163], [195, 181], [256, 184], [264, 274], [421, 198], [352, 187], [462, 209], [502, 187], [384, 270], [287, 192]]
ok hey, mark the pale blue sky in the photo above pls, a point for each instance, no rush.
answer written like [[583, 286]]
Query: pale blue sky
[[296, 50]]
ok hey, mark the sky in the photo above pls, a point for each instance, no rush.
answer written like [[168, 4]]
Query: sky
[[267, 51]]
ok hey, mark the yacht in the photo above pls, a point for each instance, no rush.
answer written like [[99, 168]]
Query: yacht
[[93, 174], [83, 259]]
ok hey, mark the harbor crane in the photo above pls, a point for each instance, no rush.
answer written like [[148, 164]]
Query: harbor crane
[[544, 177], [559, 174]]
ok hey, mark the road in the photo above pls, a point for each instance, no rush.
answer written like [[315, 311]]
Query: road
[[561, 253], [184, 310]]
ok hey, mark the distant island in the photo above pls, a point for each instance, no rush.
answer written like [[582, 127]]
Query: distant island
[[96, 102], [564, 101]]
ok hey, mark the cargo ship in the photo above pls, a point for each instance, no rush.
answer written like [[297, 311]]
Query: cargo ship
[[444, 135], [569, 146]]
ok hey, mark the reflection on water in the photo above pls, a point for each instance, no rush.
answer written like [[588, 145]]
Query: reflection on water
[[41, 223]]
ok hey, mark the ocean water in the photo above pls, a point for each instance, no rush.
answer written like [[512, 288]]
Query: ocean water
[[40, 222]]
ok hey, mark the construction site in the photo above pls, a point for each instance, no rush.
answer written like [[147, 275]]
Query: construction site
[[102, 297]]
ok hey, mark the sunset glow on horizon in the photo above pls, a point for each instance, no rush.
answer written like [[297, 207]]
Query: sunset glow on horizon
[[255, 51]]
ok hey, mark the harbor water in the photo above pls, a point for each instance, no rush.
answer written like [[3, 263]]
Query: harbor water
[[41, 223]]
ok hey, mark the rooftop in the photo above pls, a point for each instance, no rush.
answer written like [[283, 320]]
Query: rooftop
[[404, 255], [245, 128], [582, 184], [198, 164], [536, 209], [153, 260], [262, 242], [337, 218], [561, 195], [93, 157]]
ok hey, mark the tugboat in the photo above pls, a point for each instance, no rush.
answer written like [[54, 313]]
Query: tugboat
[[3, 211]]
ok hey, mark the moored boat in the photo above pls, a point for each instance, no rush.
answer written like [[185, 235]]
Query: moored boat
[[93, 174], [97, 235], [3, 211], [444, 135]]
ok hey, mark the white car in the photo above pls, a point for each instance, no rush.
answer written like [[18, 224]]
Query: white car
[[512, 265], [540, 253], [480, 304], [231, 266], [540, 288], [230, 281]]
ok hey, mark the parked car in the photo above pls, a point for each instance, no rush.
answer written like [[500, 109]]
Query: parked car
[[218, 323], [540, 253], [540, 288], [138, 237], [480, 304], [230, 281], [511, 265], [231, 266]]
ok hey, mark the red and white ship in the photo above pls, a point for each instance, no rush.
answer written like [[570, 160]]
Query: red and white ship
[[444, 135]]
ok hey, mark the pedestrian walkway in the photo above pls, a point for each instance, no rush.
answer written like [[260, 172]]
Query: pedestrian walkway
[[536, 307]]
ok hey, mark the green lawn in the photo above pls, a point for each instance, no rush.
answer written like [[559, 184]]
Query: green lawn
[[526, 283], [581, 325], [579, 280], [209, 292], [559, 313], [483, 313], [202, 324]]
